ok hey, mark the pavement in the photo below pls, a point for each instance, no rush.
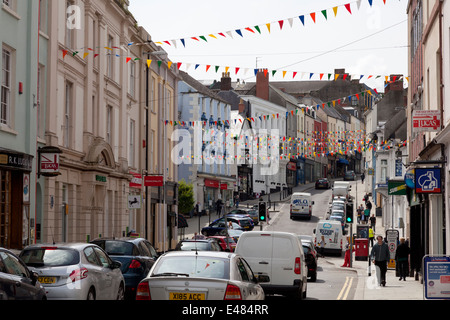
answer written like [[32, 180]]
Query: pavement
[[367, 285]]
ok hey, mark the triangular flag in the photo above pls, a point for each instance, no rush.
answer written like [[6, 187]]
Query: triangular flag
[[291, 21], [86, 54], [313, 16], [324, 12], [358, 3], [217, 68], [237, 70], [96, 55], [213, 36], [302, 19], [182, 41], [169, 64], [347, 6], [335, 9], [268, 26], [294, 74], [273, 72], [281, 24], [258, 29], [65, 52], [207, 68], [284, 73], [128, 59], [203, 38], [230, 34], [321, 75], [195, 38], [238, 31], [178, 65], [250, 29], [159, 63], [370, 2]]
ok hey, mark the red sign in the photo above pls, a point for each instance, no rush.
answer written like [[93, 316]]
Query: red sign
[[153, 181], [212, 183], [224, 186], [292, 166], [49, 162], [136, 181], [426, 120]]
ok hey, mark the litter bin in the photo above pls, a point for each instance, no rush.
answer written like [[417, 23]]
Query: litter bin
[[361, 249]]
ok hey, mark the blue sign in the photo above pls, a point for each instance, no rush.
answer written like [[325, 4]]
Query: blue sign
[[398, 167], [436, 277], [410, 179], [428, 180]]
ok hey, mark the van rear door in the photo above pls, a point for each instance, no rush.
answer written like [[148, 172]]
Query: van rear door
[[284, 260], [256, 248]]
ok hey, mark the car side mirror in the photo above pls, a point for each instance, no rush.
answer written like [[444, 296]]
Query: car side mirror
[[116, 265], [262, 278], [34, 278]]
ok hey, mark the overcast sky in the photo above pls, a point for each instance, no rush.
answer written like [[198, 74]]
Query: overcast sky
[[369, 41]]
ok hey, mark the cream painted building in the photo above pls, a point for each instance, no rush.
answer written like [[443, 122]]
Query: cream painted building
[[97, 116]]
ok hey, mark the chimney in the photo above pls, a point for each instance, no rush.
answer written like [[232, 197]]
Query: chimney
[[241, 106], [395, 83], [225, 82], [262, 84]]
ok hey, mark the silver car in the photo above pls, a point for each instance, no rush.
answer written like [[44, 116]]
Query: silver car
[[202, 275], [76, 271]]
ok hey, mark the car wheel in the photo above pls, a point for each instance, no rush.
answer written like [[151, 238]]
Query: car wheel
[[121, 293], [91, 294]]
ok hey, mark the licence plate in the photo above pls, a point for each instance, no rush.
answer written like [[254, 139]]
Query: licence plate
[[186, 296], [46, 280]]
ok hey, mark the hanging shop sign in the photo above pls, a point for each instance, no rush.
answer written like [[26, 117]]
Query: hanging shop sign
[[410, 179], [49, 161], [428, 180], [396, 188], [426, 120], [136, 181], [153, 181]]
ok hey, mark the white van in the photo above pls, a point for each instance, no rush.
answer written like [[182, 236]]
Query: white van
[[280, 256], [333, 235], [301, 205]]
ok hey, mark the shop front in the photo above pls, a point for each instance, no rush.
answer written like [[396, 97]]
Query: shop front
[[291, 174], [16, 224]]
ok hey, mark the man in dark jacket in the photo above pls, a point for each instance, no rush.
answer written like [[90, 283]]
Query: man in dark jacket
[[401, 257], [380, 256]]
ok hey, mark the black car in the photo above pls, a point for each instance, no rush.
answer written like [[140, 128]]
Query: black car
[[310, 259], [323, 183], [137, 256], [205, 244], [17, 282], [217, 227]]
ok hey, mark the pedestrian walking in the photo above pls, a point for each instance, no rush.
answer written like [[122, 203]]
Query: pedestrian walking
[[373, 221], [366, 215], [371, 236], [380, 257], [363, 176], [197, 209], [321, 247], [359, 212], [236, 200], [347, 256], [401, 258]]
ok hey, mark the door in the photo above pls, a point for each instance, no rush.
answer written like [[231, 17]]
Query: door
[[108, 275], [257, 251], [20, 277], [96, 273], [283, 260]]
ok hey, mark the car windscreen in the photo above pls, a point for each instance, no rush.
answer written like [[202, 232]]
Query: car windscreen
[[50, 257], [194, 245], [116, 248], [193, 266]]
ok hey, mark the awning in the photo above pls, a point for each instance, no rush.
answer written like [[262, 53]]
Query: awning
[[344, 161]]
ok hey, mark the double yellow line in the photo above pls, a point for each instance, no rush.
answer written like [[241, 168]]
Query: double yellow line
[[345, 289]]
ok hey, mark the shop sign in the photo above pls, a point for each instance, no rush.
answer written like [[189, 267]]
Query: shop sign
[[224, 186], [153, 181], [136, 181], [426, 120], [49, 161], [428, 180], [99, 178], [212, 183], [17, 161], [292, 166], [410, 179], [134, 202], [396, 188]]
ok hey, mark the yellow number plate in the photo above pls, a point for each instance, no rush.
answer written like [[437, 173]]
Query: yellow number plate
[[47, 280], [186, 296]]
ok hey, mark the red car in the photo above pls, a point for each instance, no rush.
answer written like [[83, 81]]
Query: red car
[[223, 242]]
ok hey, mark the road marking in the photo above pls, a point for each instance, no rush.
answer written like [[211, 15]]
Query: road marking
[[345, 288]]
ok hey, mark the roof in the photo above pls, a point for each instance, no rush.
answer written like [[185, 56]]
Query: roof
[[200, 88]]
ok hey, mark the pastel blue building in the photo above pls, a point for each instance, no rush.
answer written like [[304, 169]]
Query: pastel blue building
[[206, 118], [23, 40]]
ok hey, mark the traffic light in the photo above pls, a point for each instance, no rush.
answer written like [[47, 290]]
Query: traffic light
[[349, 214], [262, 211]]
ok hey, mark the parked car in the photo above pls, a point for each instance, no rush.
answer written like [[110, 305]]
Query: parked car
[[75, 271], [217, 227], [248, 225], [201, 275], [235, 234], [323, 183], [17, 282], [136, 255], [252, 212], [349, 175], [310, 258], [206, 244], [223, 243]]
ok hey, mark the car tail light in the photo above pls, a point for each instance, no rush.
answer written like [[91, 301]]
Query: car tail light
[[341, 243], [143, 291], [134, 264], [233, 293], [78, 274], [297, 267]]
